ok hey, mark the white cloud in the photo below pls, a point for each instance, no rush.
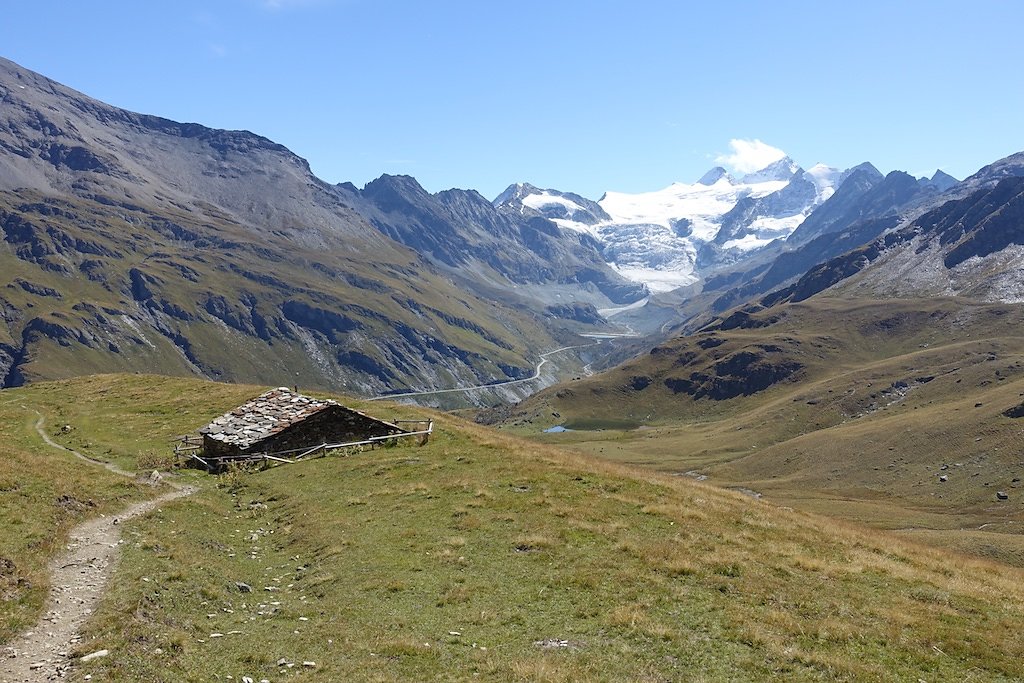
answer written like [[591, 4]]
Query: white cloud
[[749, 155]]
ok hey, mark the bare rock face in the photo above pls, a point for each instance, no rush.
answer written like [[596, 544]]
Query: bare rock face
[[1016, 411], [984, 223], [952, 249], [462, 231]]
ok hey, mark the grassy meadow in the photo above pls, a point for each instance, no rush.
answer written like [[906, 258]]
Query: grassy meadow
[[482, 556], [44, 491], [896, 419]]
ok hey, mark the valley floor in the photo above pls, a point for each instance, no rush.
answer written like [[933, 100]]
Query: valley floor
[[904, 416]]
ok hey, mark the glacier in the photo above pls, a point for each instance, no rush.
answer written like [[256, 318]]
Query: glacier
[[673, 237]]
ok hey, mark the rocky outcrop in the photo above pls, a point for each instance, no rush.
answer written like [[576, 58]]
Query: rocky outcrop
[[742, 373], [463, 232], [584, 313]]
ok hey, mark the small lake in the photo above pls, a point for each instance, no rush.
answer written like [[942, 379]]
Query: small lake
[[557, 429]]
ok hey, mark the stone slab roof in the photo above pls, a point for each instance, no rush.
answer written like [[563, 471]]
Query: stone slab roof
[[264, 416]]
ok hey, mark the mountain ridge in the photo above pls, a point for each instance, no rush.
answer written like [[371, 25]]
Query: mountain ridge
[[678, 235], [138, 242]]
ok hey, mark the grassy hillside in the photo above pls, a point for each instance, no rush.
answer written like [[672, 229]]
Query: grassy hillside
[[95, 287], [136, 243], [125, 420], [893, 415], [482, 554]]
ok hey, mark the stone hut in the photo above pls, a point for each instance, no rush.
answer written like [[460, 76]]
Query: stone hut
[[282, 420]]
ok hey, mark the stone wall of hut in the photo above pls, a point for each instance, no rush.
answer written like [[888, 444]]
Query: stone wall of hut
[[214, 449], [333, 424]]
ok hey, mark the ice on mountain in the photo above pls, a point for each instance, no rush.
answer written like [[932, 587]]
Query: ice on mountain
[[545, 199], [784, 169], [654, 237]]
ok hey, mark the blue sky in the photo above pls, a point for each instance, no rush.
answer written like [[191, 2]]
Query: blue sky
[[579, 96]]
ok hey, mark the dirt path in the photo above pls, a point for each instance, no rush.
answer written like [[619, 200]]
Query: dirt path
[[78, 578], [53, 444]]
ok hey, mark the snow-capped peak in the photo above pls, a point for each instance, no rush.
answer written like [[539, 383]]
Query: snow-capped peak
[[783, 169], [566, 209], [545, 201], [659, 237], [514, 192], [821, 175], [826, 179]]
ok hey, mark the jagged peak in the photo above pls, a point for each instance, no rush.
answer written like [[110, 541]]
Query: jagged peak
[[405, 185], [941, 180], [782, 169], [515, 192], [866, 168], [714, 175]]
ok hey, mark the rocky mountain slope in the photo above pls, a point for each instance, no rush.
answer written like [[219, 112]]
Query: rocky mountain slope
[[865, 206], [478, 242], [135, 242], [970, 247]]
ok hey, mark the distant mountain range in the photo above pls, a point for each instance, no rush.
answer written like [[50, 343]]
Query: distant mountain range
[[683, 234], [135, 242]]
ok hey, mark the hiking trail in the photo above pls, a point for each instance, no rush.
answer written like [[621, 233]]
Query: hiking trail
[[78, 580]]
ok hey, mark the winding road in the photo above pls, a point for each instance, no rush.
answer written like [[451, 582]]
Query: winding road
[[536, 375]]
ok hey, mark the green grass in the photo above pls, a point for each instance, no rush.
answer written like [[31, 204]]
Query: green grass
[[92, 323], [127, 420], [451, 561], [43, 493], [836, 440]]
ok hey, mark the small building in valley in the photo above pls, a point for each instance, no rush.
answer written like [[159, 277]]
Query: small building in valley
[[281, 421]]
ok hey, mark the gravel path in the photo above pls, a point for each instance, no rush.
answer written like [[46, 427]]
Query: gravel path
[[78, 578]]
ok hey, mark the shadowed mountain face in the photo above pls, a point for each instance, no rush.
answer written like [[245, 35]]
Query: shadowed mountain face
[[863, 207], [910, 237], [134, 242], [969, 247], [463, 233]]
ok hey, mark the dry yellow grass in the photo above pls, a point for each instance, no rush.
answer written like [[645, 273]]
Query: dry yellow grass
[[896, 419]]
